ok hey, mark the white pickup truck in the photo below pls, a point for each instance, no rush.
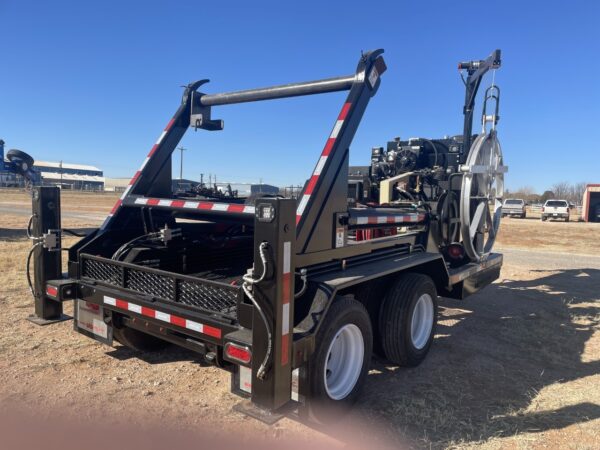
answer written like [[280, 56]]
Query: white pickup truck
[[514, 207], [555, 209]]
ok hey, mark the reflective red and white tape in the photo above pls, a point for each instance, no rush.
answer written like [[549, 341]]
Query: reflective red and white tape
[[224, 207], [375, 220], [310, 187], [285, 300], [137, 174], [164, 317]]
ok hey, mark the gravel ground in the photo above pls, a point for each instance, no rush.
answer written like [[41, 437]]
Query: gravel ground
[[548, 260], [514, 366]]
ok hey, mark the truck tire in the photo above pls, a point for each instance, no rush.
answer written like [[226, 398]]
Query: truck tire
[[338, 367], [136, 340], [543, 219], [408, 318], [566, 219], [370, 296]]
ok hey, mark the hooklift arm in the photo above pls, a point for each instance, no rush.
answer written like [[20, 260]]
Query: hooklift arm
[[327, 185]]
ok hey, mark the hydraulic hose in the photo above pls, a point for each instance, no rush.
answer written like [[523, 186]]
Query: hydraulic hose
[[434, 150], [29, 282], [249, 281], [303, 277], [123, 248], [29, 223]]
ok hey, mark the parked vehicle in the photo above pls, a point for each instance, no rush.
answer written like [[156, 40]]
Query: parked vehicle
[[514, 207], [556, 209]]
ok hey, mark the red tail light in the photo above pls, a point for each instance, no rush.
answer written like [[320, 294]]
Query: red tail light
[[456, 251], [238, 353]]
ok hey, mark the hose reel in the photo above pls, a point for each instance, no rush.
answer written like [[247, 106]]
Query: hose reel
[[483, 185], [481, 196]]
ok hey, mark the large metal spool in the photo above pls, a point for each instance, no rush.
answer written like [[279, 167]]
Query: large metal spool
[[481, 196]]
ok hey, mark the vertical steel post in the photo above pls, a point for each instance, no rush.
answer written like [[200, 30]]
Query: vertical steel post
[[275, 224], [47, 265], [2, 163]]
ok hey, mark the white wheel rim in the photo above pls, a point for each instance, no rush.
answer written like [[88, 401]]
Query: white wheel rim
[[421, 323], [344, 361]]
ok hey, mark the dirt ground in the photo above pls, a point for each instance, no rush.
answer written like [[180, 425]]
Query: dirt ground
[[514, 366]]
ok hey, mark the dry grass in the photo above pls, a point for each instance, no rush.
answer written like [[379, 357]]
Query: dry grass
[[70, 200], [569, 237], [515, 366]]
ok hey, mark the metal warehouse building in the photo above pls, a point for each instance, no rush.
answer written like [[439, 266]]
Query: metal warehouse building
[[70, 176], [591, 203]]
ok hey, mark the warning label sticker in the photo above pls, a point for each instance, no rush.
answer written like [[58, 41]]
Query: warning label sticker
[[90, 318], [373, 77]]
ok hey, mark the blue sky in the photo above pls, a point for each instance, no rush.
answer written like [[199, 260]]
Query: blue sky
[[95, 82]]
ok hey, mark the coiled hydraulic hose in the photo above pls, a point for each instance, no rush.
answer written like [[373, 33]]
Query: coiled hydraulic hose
[[249, 281]]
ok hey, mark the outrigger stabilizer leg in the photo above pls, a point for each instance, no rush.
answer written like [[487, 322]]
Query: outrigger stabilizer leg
[[44, 231]]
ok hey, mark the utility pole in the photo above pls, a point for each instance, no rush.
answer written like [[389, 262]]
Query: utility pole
[[181, 149]]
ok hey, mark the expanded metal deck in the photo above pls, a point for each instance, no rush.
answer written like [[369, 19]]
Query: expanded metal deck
[[210, 296]]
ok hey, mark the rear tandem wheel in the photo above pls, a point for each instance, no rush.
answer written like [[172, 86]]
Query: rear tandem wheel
[[408, 318], [339, 365]]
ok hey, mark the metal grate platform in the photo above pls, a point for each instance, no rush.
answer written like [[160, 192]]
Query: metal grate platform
[[210, 296]]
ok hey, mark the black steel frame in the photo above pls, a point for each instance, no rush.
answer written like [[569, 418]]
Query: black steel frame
[[475, 72]]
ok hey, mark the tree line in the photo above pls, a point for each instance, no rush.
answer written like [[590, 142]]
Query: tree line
[[573, 192]]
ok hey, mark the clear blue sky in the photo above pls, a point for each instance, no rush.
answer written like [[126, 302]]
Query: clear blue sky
[[95, 82]]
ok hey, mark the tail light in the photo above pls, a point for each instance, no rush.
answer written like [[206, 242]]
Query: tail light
[[238, 353], [456, 251], [543, 208]]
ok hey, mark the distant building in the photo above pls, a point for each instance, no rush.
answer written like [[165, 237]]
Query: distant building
[[70, 176], [591, 203], [116, 184]]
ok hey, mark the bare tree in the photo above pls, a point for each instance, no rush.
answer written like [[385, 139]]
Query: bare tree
[[547, 195], [562, 189], [526, 193], [571, 192], [578, 191]]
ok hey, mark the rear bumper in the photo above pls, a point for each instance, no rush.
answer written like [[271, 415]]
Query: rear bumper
[[163, 318], [473, 277]]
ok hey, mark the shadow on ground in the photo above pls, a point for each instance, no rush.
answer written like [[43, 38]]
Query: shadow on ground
[[493, 354]]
